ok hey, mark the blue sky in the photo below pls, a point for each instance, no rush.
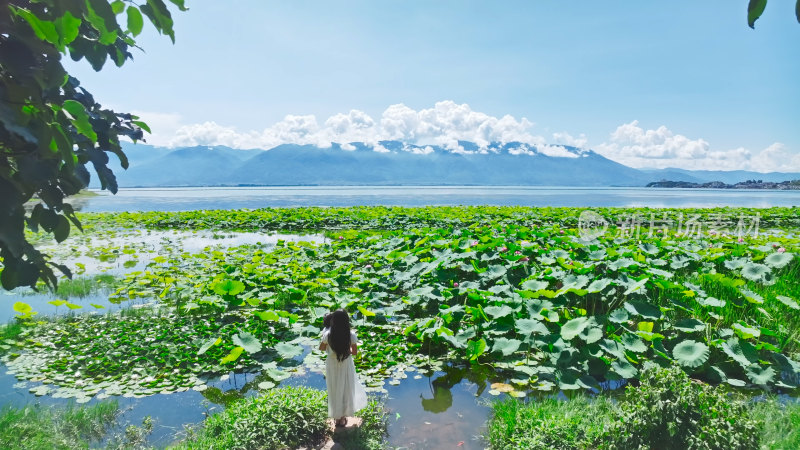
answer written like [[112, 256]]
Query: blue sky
[[650, 84]]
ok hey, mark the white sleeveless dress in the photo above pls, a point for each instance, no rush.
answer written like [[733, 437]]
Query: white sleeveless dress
[[346, 395]]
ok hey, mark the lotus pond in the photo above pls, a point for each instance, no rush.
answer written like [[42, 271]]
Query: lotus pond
[[461, 303]]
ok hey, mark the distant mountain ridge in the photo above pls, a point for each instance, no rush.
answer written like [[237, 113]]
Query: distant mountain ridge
[[395, 163]]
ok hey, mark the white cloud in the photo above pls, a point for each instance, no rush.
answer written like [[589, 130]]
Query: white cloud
[[634, 146], [447, 123]]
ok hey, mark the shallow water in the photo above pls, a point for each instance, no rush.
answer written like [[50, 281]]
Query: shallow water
[[442, 410], [186, 199], [125, 252]]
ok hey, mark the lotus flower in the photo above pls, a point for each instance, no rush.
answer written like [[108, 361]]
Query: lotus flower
[[455, 285], [560, 231], [502, 249], [341, 238], [781, 250], [740, 240], [368, 266], [517, 252], [474, 243], [524, 259]]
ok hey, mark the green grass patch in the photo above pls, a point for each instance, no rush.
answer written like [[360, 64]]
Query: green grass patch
[[85, 286], [668, 410], [780, 423], [38, 426], [288, 417]]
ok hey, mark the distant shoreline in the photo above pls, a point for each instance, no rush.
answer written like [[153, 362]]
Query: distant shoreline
[[793, 185]]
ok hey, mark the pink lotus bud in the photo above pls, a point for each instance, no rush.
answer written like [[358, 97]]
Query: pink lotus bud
[[502, 249], [474, 243], [517, 252], [781, 250], [561, 231], [524, 259], [368, 266], [341, 238], [740, 240], [455, 285]]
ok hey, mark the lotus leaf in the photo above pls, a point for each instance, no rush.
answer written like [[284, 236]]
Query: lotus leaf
[[778, 260], [690, 353], [759, 374], [247, 341], [506, 346], [573, 327], [755, 271]]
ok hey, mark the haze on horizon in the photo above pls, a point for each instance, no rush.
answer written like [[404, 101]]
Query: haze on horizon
[[684, 85]]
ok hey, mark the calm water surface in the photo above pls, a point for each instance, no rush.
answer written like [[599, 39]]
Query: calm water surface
[[184, 199]]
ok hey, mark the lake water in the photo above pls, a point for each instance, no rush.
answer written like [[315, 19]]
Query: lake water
[[184, 199]]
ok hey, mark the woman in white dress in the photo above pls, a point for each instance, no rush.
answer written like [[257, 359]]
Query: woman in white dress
[[346, 395]]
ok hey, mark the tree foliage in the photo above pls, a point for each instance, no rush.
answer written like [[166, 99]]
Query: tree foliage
[[756, 7], [51, 128]]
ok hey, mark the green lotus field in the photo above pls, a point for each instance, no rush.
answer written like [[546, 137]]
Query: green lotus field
[[522, 292]]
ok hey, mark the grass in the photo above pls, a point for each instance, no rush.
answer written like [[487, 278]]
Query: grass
[[85, 286], [548, 423], [38, 426], [781, 423], [288, 417], [371, 434], [666, 411]]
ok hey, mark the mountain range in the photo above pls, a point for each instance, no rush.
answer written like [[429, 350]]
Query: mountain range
[[396, 163]]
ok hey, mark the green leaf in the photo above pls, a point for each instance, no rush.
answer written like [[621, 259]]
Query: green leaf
[[531, 326], [573, 327], [619, 315], [778, 260], [266, 385], [269, 316], [498, 311], [208, 344], [534, 285], [43, 29], [691, 353], [760, 375], [746, 332], [80, 119], [68, 27], [57, 303], [135, 24], [73, 306], [232, 356], [624, 369], [754, 10], [160, 16], [690, 325], [475, 348], [22, 308], [741, 351], [645, 310], [61, 230], [117, 6], [228, 287], [506, 346], [632, 342], [598, 285], [366, 312], [788, 301], [288, 351], [637, 287], [247, 341]]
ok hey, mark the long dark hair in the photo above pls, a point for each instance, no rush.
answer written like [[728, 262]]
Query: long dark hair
[[339, 336]]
